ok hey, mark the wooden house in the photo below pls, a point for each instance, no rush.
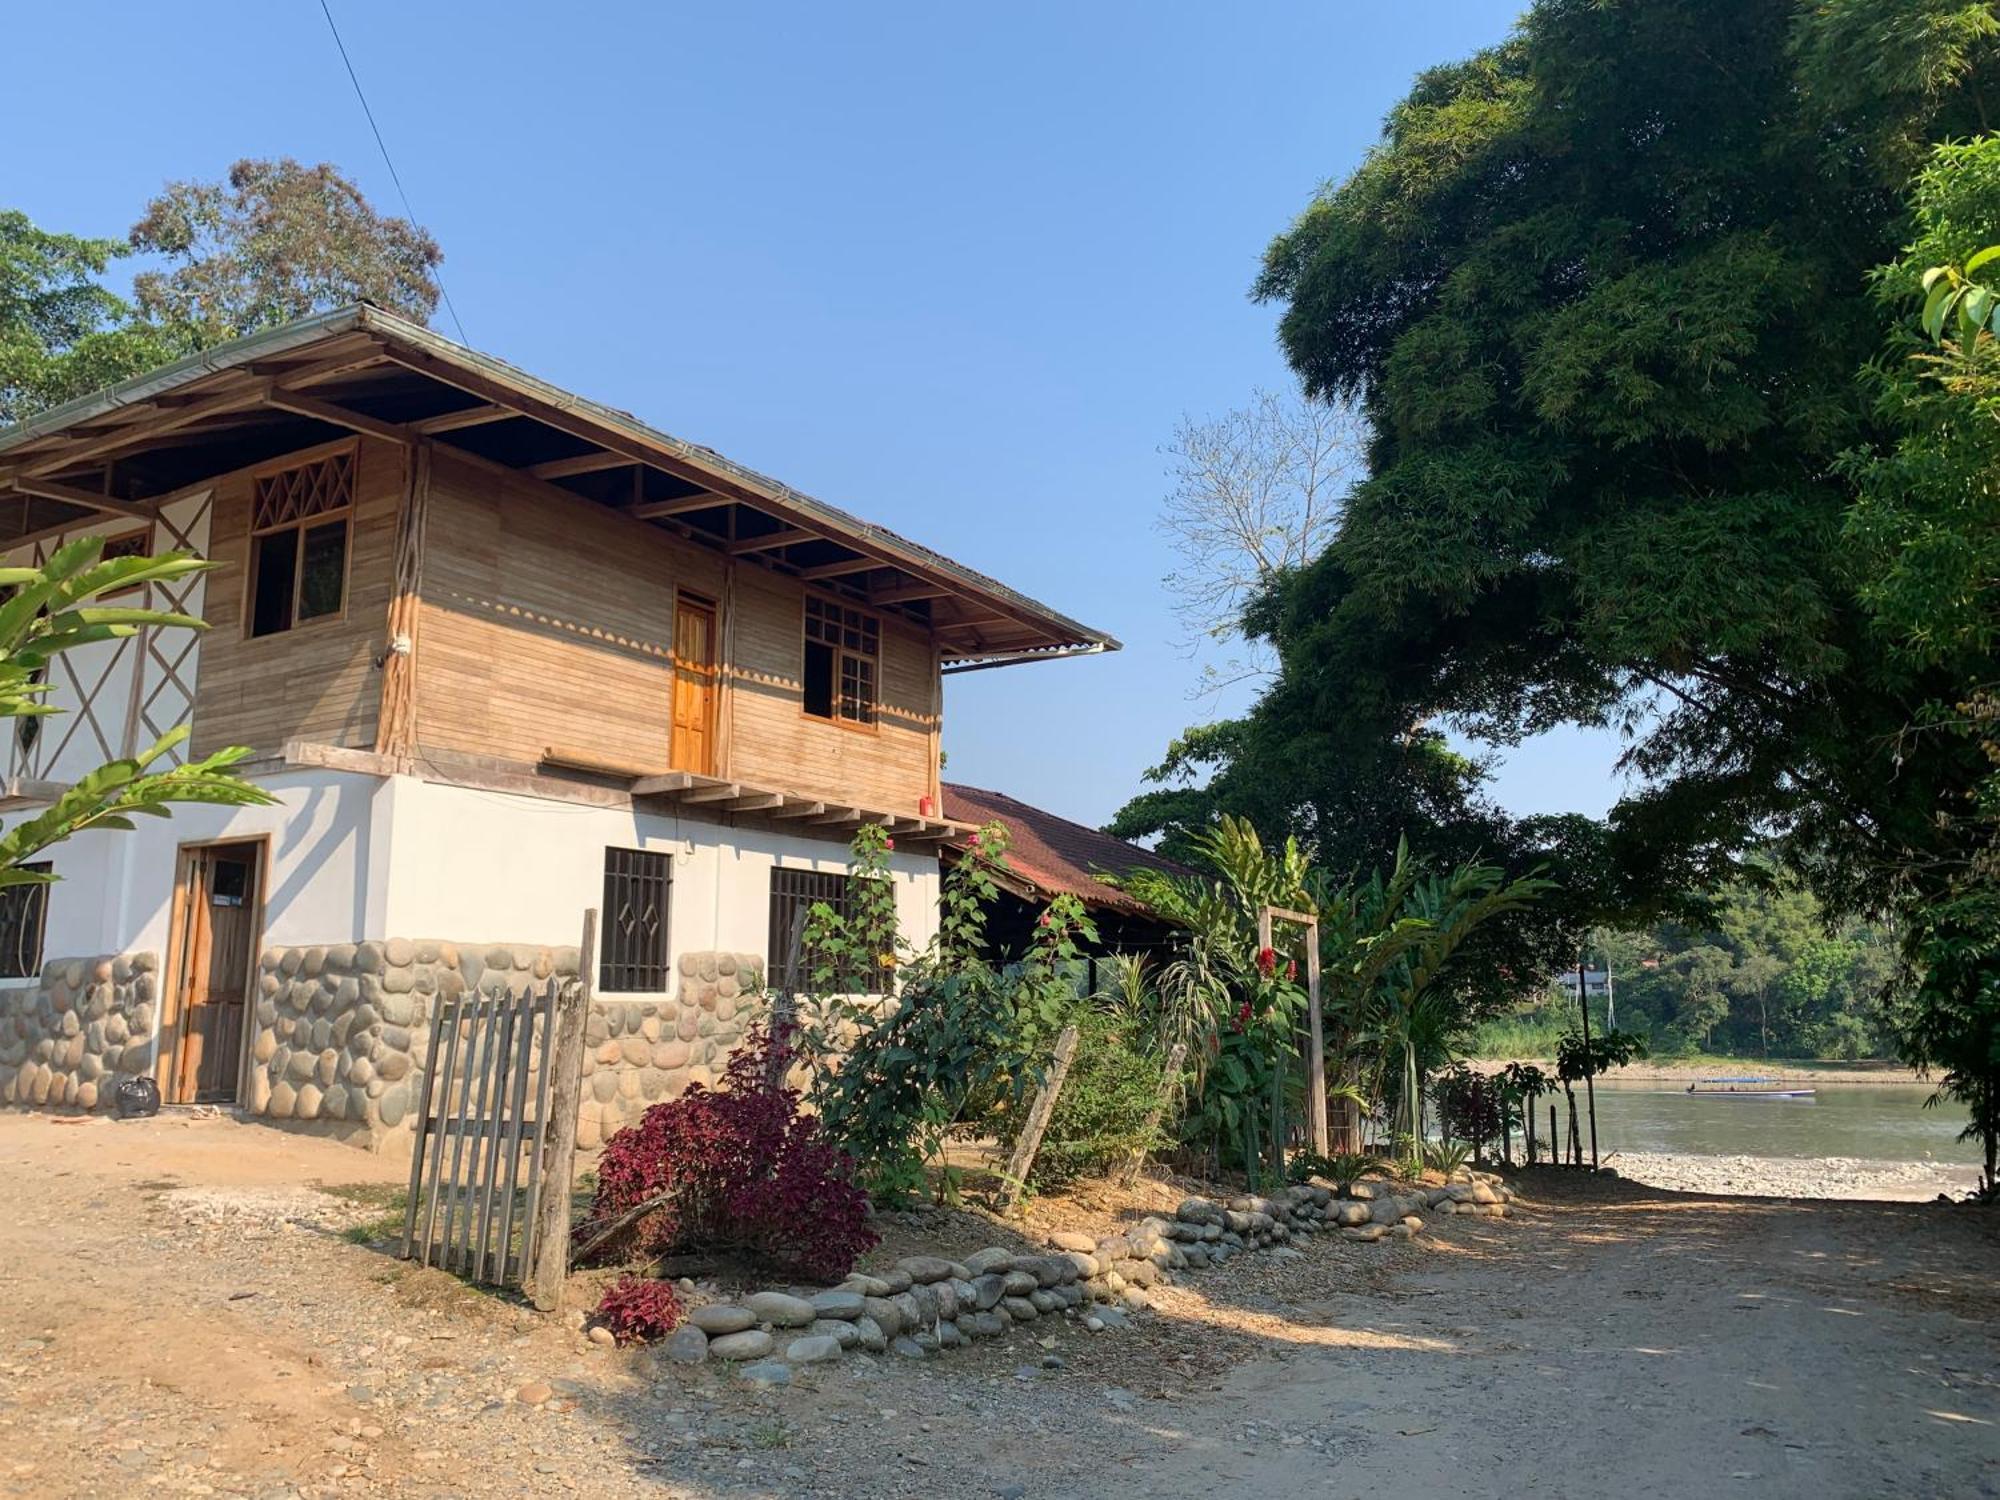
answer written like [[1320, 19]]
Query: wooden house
[[501, 654]]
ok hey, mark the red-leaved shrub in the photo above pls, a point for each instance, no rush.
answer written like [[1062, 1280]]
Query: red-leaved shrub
[[637, 1311], [737, 1170]]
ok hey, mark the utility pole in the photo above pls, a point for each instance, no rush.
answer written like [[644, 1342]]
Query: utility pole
[[1589, 1070]]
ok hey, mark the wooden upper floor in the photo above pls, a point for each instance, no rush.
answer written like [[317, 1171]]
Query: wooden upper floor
[[431, 557]]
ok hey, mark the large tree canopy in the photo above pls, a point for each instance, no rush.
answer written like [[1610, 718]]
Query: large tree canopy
[[1603, 293], [273, 242]]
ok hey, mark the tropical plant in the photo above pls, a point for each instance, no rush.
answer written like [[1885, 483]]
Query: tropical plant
[[1105, 1114], [1448, 1157], [47, 612], [1343, 1170], [740, 1170]]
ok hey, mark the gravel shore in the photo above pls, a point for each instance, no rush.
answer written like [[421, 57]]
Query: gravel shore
[[1796, 1177]]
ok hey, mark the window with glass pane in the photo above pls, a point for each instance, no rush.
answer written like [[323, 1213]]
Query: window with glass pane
[[842, 662], [23, 913], [298, 553]]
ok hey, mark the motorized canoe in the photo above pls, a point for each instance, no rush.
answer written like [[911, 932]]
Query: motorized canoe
[[1745, 1088]]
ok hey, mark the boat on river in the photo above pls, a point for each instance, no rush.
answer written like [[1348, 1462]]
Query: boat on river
[[1746, 1088]]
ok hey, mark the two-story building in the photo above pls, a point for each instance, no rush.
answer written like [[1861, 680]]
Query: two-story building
[[501, 654]]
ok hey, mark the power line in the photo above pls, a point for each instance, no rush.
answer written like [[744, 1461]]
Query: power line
[[383, 145]]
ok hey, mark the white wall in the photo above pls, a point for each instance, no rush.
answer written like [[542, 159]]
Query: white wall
[[355, 856], [488, 866], [115, 890]]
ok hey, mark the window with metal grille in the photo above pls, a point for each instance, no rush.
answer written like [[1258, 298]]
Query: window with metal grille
[[24, 911], [790, 959], [636, 888], [843, 657], [298, 544]]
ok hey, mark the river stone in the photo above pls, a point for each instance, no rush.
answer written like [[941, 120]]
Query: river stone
[[1366, 1232], [813, 1349], [869, 1337], [986, 1325], [1069, 1239], [780, 1309], [752, 1343], [868, 1286], [837, 1304], [988, 1290], [1020, 1283], [924, 1268], [909, 1348], [838, 1329], [994, 1259], [687, 1345], [766, 1375], [885, 1314], [1020, 1309], [722, 1317], [896, 1281]]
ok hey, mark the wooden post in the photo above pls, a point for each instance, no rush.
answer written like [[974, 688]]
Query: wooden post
[[396, 726], [1322, 1136], [1039, 1113], [1589, 1070], [1170, 1087], [558, 1130], [1555, 1140]]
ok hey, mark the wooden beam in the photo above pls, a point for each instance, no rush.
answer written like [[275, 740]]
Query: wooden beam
[[471, 416], [75, 453], [651, 510], [583, 463], [852, 565], [757, 802], [909, 593], [326, 369], [339, 416], [800, 810], [786, 538], [839, 815], [69, 494], [396, 720]]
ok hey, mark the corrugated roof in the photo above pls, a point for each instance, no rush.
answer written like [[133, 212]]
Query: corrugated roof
[[1062, 632], [1057, 856]]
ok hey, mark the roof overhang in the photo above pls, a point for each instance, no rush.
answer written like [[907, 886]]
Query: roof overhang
[[121, 450]]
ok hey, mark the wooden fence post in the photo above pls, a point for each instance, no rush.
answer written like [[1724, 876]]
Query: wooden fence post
[[1039, 1114], [558, 1130], [1170, 1087]]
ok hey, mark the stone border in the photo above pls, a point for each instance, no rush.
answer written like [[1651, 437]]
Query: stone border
[[928, 1304]]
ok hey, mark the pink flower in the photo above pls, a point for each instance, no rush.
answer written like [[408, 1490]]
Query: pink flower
[[888, 843]]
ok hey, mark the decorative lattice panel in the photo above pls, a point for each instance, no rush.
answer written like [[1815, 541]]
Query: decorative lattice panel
[[309, 490]]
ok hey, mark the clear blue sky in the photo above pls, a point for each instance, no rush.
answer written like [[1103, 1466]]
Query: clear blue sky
[[958, 269]]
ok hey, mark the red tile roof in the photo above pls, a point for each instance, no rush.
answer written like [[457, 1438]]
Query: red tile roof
[[1054, 854]]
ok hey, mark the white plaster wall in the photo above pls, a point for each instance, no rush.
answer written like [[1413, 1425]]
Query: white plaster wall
[[488, 866], [115, 890]]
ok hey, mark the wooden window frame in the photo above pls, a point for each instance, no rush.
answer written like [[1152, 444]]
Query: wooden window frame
[[836, 718], [610, 936], [351, 449]]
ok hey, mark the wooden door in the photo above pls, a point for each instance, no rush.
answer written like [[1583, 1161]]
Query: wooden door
[[693, 746], [219, 905]]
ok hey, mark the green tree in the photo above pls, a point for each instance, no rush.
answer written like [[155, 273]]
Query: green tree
[[272, 242], [62, 333]]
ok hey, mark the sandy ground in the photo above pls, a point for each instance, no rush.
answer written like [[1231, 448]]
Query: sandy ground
[[1671, 1070], [177, 1316]]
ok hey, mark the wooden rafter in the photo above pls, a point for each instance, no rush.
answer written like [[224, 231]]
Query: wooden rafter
[[69, 494], [652, 510], [908, 593], [582, 463], [471, 416], [771, 541], [70, 454], [339, 416], [840, 569]]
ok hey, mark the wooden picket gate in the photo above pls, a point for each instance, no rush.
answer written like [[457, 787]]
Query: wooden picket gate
[[492, 1165]]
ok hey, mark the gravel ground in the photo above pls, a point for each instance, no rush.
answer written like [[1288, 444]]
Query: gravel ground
[[1797, 1177], [180, 1314]]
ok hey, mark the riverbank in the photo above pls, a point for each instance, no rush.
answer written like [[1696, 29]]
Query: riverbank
[[1685, 1070], [1846, 1177]]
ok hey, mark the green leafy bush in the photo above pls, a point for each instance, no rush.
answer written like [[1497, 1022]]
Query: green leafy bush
[[1104, 1114]]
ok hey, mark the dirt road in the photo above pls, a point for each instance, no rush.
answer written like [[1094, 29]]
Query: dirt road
[[180, 1315]]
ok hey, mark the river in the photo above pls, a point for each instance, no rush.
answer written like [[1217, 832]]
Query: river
[[1874, 1122]]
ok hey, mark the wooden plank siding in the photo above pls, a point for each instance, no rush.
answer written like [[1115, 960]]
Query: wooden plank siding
[[550, 621], [774, 742], [318, 680]]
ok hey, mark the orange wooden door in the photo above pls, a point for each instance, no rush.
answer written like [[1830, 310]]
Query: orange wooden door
[[693, 746], [219, 921]]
